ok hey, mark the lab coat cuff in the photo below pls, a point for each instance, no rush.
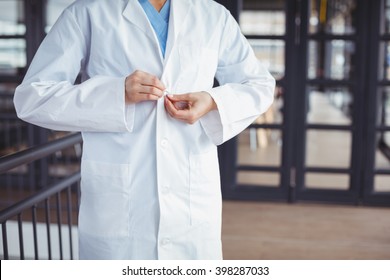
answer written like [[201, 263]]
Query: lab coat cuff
[[213, 121], [216, 94], [129, 116], [128, 109]]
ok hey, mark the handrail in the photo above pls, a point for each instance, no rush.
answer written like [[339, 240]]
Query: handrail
[[66, 185], [38, 197], [9, 162]]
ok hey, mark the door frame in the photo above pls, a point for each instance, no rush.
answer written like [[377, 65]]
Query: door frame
[[294, 127]]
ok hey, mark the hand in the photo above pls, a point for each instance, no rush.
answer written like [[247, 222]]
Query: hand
[[189, 107], [141, 86]]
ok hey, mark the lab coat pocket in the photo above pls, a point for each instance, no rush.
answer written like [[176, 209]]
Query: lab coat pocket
[[198, 66], [105, 199], [205, 192]]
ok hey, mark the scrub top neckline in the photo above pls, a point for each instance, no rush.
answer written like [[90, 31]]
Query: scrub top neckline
[[163, 8], [158, 20]]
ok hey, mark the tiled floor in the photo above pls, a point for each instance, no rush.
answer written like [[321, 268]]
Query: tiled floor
[[299, 231]]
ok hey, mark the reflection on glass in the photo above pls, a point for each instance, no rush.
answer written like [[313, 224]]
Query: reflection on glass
[[328, 148], [12, 17], [384, 61], [329, 106], [327, 181], [12, 55], [262, 147], [271, 54], [333, 17], [269, 179], [382, 153], [382, 183], [263, 22], [386, 17], [330, 59], [383, 105], [54, 9]]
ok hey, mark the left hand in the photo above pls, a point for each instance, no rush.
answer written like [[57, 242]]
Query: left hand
[[189, 107]]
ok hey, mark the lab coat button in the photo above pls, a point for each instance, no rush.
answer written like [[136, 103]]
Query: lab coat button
[[164, 143], [165, 241]]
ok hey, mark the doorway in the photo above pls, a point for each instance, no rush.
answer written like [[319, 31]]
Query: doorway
[[326, 137]]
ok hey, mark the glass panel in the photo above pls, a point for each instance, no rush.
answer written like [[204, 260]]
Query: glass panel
[[382, 153], [260, 147], [271, 54], [384, 61], [382, 183], [333, 17], [263, 22], [329, 106], [386, 17], [258, 178], [327, 181], [12, 18], [12, 55], [54, 9], [330, 59], [326, 148], [383, 105]]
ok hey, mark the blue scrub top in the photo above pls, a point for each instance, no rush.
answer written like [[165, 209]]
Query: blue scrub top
[[159, 21]]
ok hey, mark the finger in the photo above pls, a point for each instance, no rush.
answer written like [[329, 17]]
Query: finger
[[150, 90], [179, 104], [139, 97], [180, 97], [182, 105], [147, 79], [145, 97], [182, 115], [172, 110], [169, 107]]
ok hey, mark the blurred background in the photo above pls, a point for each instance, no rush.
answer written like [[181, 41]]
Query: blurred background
[[310, 179]]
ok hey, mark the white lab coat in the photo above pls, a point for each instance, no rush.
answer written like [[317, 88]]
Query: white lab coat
[[150, 183]]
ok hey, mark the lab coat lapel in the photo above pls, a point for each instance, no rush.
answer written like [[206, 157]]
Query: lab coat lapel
[[178, 14], [136, 15]]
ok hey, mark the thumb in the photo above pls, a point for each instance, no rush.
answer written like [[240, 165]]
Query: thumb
[[179, 97]]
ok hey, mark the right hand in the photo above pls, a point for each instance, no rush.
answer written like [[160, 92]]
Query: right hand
[[142, 86]]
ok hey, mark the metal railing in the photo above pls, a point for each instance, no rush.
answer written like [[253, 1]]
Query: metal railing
[[29, 228]]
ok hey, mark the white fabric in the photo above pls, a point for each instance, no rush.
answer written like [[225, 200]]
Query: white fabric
[[150, 183]]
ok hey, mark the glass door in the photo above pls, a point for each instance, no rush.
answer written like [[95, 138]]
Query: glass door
[[329, 131], [256, 164], [377, 166], [327, 135]]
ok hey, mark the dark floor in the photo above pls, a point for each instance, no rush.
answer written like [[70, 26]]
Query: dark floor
[[300, 231]]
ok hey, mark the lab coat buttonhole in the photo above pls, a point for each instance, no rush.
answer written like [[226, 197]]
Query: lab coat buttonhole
[[165, 241]]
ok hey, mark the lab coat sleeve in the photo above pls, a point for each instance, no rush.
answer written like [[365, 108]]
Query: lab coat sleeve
[[246, 88], [48, 97]]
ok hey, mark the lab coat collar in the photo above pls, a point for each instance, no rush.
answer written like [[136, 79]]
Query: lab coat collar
[[179, 9], [136, 15], [178, 14]]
